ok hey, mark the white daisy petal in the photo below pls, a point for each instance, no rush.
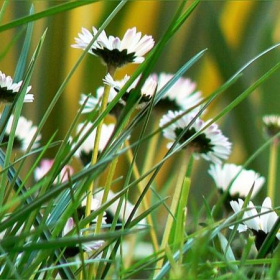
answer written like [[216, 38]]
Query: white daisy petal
[[9, 90], [84, 151], [260, 222], [23, 134], [181, 95], [147, 90], [223, 175], [114, 51], [211, 144]]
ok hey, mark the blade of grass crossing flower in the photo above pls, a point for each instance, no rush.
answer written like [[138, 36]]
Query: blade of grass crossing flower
[[18, 107], [11, 175], [270, 238], [18, 76], [239, 216], [71, 240], [154, 54], [109, 18]]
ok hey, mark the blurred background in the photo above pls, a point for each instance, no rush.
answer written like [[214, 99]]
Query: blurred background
[[232, 31]]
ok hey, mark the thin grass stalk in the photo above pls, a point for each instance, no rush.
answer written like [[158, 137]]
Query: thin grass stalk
[[185, 158], [181, 216], [145, 201], [107, 187], [272, 170], [103, 106], [96, 143], [3, 9]]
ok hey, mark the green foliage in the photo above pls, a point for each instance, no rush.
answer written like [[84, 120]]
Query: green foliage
[[182, 241]]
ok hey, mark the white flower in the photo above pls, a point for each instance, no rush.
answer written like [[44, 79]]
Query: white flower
[[23, 134], [210, 144], [147, 90], [240, 187], [46, 165], [114, 51], [9, 89], [84, 152], [89, 246], [260, 223], [181, 96], [125, 211], [94, 102], [271, 125]]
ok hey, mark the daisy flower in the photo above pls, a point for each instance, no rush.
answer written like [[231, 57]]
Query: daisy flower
[[271, 125], [114, 51], [93, 102], [146, 92], [125, 211], [84, 152], [239, 187], [110, 213], [9, 90], [210, 144], [94, 205], [72, 251], [46, 165], [23, 134], [259, 223], [182, 95]]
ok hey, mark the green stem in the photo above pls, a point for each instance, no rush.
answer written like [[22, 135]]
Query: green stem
[[145, 202], [3, 9], [106, 192], [97, 138], [174, 204], [272, 170]]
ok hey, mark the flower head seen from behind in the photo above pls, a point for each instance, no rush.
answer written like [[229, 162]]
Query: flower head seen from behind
[[114, 51], [92, 103], [23, 134], [84, 151], [147, 90], [237, 187], [9, 89], [210, 144], [182, 95], [89, 246], [260, 222], [126, 209], [271, 125]]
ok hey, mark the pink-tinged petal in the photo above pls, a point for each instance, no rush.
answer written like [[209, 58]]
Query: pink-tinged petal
[[68, 227]]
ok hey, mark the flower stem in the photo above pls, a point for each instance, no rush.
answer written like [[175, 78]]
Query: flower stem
[[272, 170], [174, 204], [103, 106], [145, 203], [97, 138]]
